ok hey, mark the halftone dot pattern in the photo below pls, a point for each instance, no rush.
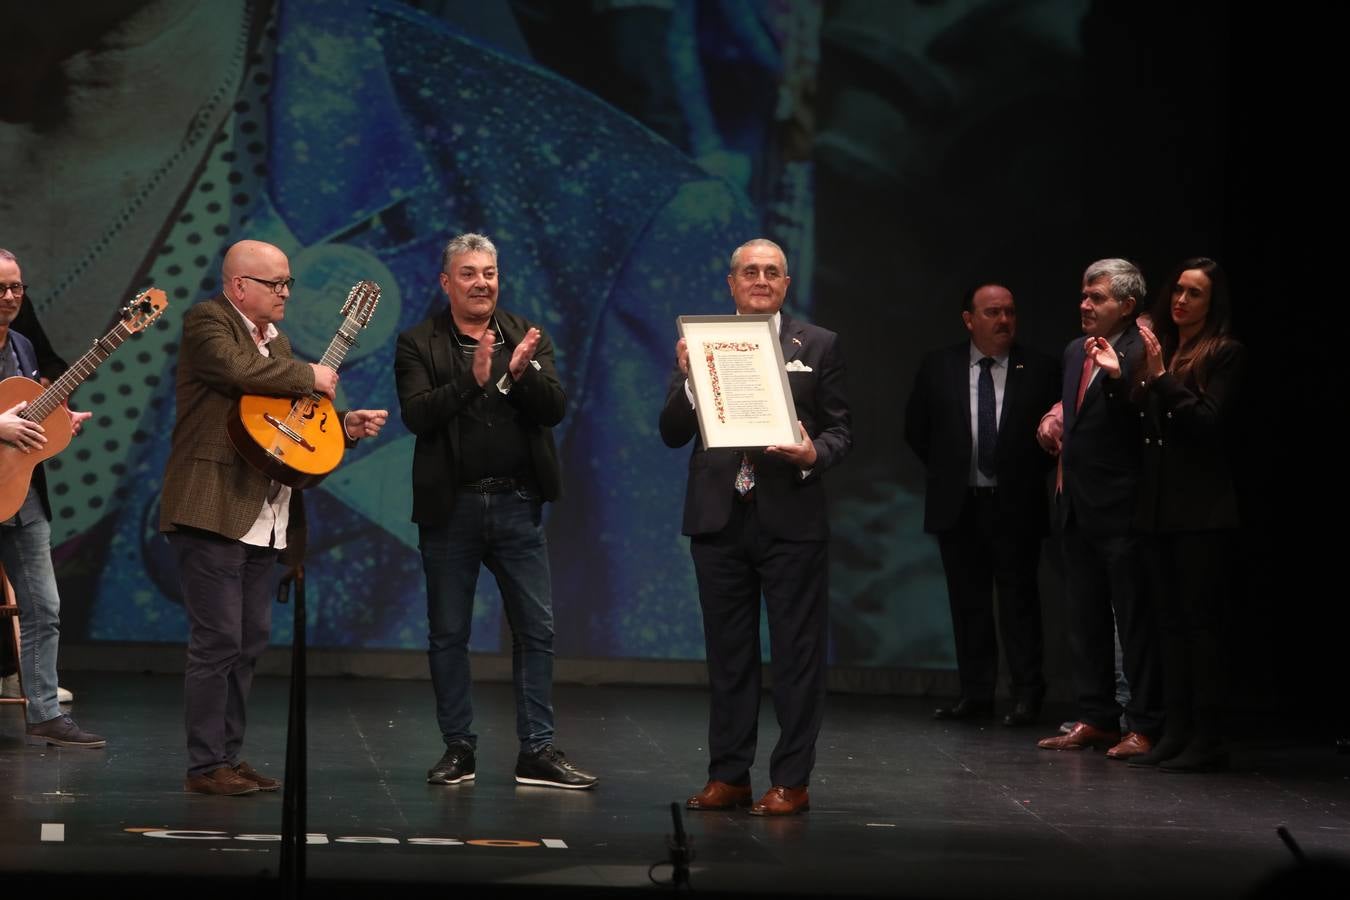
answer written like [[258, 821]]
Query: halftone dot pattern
[[134, 388]]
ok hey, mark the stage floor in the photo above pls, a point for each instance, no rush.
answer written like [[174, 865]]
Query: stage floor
[[901, 805]]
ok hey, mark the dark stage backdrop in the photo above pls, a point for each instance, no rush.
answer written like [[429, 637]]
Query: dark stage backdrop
[[616, 153]]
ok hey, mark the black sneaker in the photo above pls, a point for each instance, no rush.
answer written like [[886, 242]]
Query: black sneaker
[[455, 765], [548, 767]]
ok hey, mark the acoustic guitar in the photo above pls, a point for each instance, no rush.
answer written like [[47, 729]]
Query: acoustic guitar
[[299, 441], [46, 406]]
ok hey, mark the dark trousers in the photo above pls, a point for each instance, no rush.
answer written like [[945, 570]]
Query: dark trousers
[[981, 562], [227, 590], [735, 567], [1104, 588], [1188, 575]]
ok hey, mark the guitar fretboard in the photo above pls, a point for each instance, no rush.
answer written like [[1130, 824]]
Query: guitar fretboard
[[343, 341], [82, 368]]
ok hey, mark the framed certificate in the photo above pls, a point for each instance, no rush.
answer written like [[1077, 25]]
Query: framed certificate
[[741, 392]]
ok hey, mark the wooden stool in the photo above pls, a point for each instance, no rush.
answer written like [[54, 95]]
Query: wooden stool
[[9, 610]]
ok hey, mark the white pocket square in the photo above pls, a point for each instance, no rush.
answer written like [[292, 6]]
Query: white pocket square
[[797, 366]]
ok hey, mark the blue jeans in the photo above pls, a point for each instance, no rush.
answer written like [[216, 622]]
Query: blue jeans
[[26, 552], [505, 533]]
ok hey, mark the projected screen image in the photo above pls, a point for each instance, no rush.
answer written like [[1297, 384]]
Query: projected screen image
[[616, 154]]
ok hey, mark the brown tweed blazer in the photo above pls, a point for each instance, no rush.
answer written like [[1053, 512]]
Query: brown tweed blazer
[[206, 483]]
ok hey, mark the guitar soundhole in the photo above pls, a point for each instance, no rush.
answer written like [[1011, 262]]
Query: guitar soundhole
[[323, 423]]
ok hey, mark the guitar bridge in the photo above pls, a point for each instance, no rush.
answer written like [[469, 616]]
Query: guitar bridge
[[288, 431]]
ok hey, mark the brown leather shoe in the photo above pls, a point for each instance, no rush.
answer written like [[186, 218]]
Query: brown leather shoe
[[720, 795], [248, 773], [782, 801], [224, 782], [1082, 735], [1135, 744]]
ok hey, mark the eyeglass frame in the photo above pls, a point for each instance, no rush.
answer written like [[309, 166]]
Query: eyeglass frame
[[18, 288], [276, 286]]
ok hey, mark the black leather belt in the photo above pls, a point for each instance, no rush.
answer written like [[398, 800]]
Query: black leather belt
[[492, 485]]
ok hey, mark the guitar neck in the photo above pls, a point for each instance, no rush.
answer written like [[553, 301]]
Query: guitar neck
[[82, 368], [343, 341]]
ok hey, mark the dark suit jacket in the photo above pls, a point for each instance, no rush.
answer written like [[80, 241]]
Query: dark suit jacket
[[790, 507], [1187, 480], [1102, 442], [207, 484], [435, 381], [937, 428], [29, 367]]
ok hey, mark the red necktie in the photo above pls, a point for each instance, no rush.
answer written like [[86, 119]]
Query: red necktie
[[1084, 379]]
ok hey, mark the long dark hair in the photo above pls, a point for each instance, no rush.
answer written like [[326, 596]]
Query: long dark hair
[[1193, 358]]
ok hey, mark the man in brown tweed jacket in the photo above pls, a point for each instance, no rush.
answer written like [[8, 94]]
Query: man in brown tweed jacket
[[227, 522]]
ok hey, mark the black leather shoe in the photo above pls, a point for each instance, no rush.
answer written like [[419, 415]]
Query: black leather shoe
[[1024, 712], [966, 708], [455, 765]]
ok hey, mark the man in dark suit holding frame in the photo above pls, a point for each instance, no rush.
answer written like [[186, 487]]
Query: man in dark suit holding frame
[[758, 527]]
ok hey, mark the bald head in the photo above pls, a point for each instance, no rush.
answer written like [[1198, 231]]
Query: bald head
[[255, 276], [246, 256]]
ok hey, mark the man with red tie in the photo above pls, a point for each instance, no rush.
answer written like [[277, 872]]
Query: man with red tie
[[1100, 443]]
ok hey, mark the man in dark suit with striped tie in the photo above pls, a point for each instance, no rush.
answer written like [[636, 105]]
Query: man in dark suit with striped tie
[[971, 420]]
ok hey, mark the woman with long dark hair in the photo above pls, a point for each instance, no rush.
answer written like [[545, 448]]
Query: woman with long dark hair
[[1188, 511]]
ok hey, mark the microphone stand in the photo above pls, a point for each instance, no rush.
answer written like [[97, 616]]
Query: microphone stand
[[293, 826]]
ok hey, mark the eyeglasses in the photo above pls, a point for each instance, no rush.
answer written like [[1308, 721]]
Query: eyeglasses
[[16, 287], [276, 286]]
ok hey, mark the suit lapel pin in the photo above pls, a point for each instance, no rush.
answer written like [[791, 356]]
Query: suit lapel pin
[[797, 341]]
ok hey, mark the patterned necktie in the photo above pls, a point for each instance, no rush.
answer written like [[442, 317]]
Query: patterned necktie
[[986, 414], [745, 476]]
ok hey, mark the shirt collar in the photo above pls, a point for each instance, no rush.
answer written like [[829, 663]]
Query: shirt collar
[[777, 321], [976, 356], [267, 336]]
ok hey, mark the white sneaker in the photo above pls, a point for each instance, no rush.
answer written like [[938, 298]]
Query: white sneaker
[[9, 690]]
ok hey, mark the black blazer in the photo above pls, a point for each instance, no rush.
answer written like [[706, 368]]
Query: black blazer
[[790, 507], [937, 428], [1102, 442], [435, 381], [37, 360], [1187, 480], [30, 367]]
